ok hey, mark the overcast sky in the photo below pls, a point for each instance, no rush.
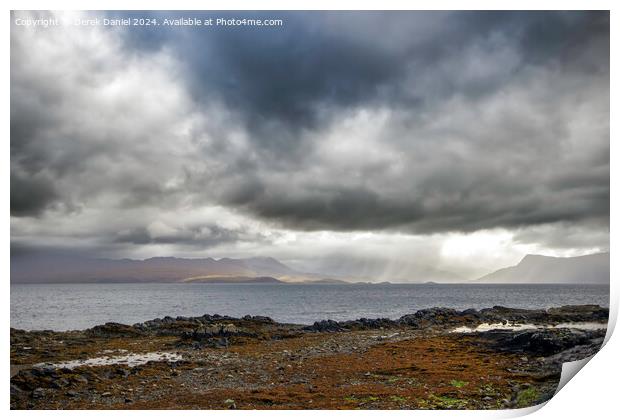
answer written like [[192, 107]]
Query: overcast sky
[[455, 140]]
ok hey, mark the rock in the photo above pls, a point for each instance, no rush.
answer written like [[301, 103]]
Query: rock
[[229, 329], [324, 326], [570, 313], [579, 313], [471, 312], [260, 319], [59, 383], [230, 404], [106, 394], [113, 330], [544, 342], [81, 379], [15, 390], [38, 393], [71, 394], [359, 324], [43, 371], [430, 317], [215, 335]]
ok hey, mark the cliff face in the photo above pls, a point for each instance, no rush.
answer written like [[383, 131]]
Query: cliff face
[[587, 269]]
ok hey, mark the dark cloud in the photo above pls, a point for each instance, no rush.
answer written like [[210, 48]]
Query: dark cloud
[[288, 74], [432, 209], [31, 195], [329, 207], [203, 236], [419, 122]]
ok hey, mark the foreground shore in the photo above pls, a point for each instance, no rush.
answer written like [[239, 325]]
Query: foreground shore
[[436, 358]]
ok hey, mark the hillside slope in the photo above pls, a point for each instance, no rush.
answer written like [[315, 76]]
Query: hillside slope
[[587, 269]]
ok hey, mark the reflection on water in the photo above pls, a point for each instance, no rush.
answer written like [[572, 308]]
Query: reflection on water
[[518, 327], [131, 359]]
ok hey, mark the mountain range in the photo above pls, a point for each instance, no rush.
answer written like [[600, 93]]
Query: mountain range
[[73, 269], [68, 269]]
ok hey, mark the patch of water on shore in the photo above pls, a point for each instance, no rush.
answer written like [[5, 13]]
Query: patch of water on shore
[[519, 327], [133, 359]]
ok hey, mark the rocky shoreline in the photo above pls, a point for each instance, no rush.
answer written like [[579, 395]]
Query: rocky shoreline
[[431, 359]]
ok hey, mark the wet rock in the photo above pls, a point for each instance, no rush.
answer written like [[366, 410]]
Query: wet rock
[[442, 317], [563, 314], [544, 342]]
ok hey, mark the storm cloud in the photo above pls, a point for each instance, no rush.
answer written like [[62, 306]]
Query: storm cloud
[[235, 138]]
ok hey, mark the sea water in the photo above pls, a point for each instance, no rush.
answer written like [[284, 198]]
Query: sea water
[[77, 306]]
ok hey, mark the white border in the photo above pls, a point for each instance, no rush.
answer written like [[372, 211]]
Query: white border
[[593, 394]]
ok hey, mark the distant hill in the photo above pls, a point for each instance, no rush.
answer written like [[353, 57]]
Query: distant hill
[[326, 281], [234, 280], [587, 269]]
